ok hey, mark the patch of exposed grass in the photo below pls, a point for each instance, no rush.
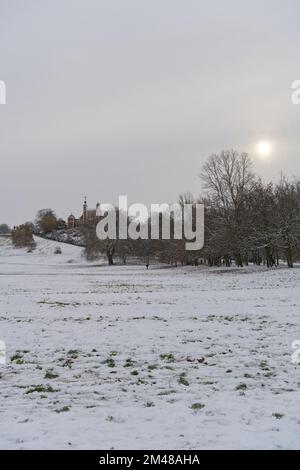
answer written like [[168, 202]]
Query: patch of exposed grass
[[167, 357], [41, 389], [67, 363], [129, 363], [278, 415], [149, 404], [73, 353], [197, 406], [50, 374], [16, 357], [63, 409], [264, 365], [183, 380], [241, 387], [110, 362], [166, 392], [58, 303], [269, 374]]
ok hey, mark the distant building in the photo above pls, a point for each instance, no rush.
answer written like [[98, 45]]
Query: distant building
[[88, 216], [71, 221]]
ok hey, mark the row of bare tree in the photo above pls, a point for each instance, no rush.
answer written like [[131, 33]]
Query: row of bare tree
[[246, 221]]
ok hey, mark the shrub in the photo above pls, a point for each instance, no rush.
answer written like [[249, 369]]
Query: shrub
[[22, 236]]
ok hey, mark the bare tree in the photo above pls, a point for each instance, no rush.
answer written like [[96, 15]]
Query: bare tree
[[227, 177]]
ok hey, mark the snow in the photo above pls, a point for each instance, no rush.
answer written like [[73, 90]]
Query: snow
[[127, 353]]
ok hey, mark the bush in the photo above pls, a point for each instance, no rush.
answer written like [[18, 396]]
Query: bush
[[22, 236], [57, 250]]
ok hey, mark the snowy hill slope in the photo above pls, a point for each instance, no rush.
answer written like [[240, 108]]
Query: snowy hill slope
[[44, 253]]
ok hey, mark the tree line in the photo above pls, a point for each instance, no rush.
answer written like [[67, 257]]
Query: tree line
[[246, 221]]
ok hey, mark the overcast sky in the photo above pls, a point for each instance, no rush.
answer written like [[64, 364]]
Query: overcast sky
[[109, 97]]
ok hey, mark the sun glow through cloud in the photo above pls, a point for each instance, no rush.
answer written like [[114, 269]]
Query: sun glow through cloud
[[264, 149]]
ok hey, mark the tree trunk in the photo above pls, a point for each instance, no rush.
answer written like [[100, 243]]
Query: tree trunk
[[238, 260], [110, 259], [289, 257]]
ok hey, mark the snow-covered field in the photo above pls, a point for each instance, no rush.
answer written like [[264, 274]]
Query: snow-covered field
[[121, 357]]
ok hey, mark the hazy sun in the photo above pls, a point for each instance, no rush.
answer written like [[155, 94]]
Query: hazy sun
[[264, 149]]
